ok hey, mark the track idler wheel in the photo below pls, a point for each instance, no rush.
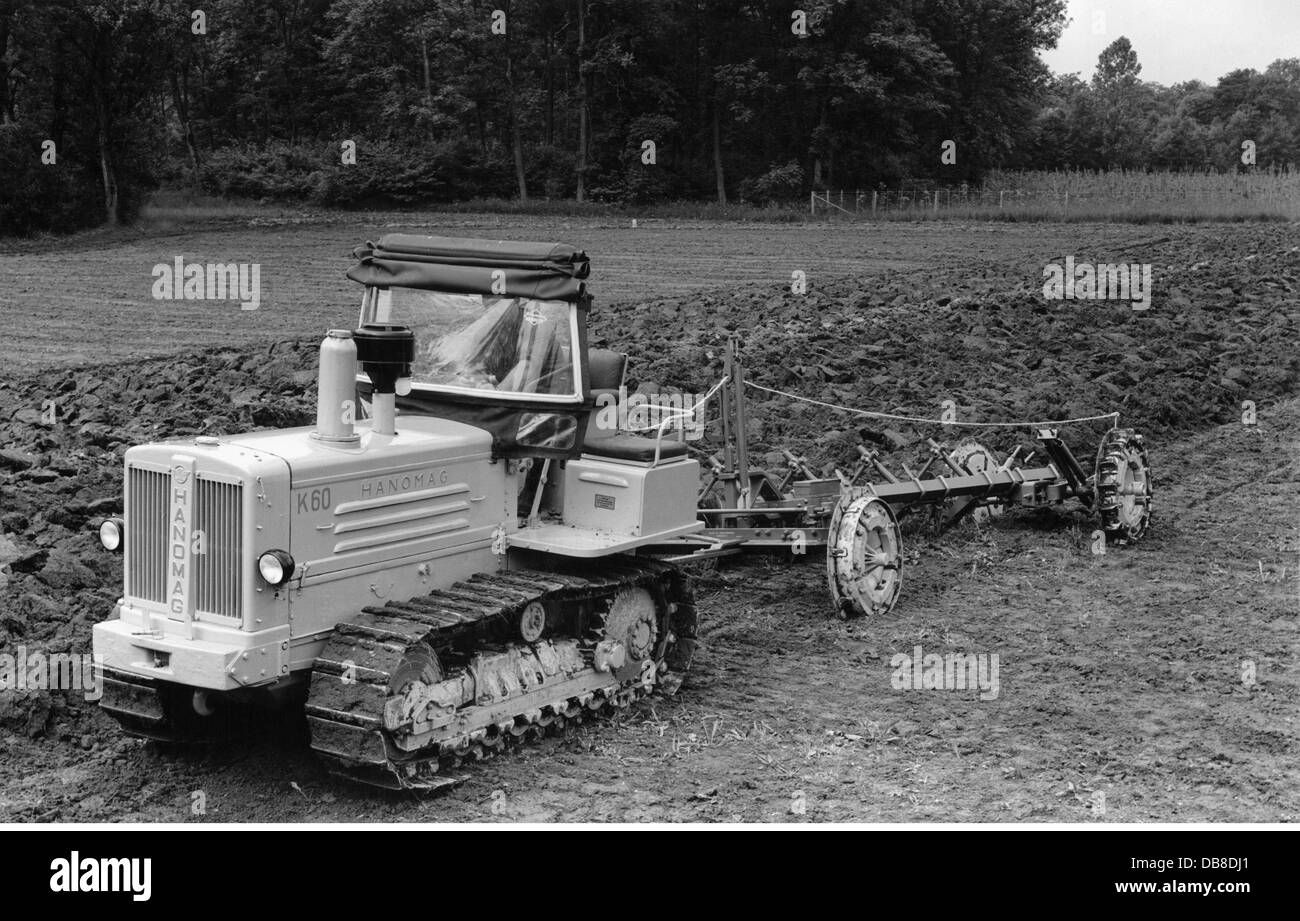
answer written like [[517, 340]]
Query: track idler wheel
[[864, 557], [1123, 486]]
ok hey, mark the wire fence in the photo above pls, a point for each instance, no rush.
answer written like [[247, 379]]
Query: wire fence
[[920, 202]]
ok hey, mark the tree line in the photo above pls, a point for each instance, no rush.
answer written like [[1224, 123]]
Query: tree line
[[396, 102]]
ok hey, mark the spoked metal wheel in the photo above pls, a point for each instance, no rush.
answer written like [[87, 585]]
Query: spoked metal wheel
[[975, 459], [1123, 485], [864, 557]]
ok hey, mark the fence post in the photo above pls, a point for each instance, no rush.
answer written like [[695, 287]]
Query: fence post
[[873, 202], [1000, 195], [936, 201], [812, 203]]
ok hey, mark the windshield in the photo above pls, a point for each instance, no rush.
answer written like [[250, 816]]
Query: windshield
[[468, 342]]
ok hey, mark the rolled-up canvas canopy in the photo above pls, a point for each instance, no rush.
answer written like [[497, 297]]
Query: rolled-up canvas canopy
[[544, 271]]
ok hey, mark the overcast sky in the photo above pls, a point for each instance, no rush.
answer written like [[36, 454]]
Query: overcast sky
[[1178, 40]]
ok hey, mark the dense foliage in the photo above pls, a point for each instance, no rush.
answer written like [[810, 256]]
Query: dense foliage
[[447, 100]]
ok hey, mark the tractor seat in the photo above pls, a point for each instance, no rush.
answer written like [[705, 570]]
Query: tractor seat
[[636, 448], [608, 372]]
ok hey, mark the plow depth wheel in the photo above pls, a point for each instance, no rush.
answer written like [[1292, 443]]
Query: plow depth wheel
[[1123, 485], [975, 459], [864, 557]]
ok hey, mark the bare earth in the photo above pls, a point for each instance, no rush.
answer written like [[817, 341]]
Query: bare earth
[[86, 301], [1152, 683]]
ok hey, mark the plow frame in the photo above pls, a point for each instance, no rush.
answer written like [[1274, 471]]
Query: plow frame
[[763, 512]]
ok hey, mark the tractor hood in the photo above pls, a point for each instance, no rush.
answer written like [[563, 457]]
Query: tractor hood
[[419, 442]]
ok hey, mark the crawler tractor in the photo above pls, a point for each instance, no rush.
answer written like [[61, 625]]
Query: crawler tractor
[[445, 564]]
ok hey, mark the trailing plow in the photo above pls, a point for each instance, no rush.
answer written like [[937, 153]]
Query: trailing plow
[[855, 515]]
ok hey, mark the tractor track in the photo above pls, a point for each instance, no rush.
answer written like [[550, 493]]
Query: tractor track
[[365, 720]]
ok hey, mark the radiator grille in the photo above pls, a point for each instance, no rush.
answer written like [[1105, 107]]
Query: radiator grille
[[146, 533], [218, 513]]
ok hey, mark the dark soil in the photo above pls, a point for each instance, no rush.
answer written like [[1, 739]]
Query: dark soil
[[1154, 682]]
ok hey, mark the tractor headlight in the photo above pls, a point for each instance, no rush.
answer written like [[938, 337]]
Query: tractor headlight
[[276, 567], [111, 532]]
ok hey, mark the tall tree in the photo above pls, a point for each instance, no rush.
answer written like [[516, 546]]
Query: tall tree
[[512, 109], [1121, 99], [117, 71], [583, 115]]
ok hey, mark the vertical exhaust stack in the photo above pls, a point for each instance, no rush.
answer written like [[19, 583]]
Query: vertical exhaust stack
[[385, 352], [336, 391]]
